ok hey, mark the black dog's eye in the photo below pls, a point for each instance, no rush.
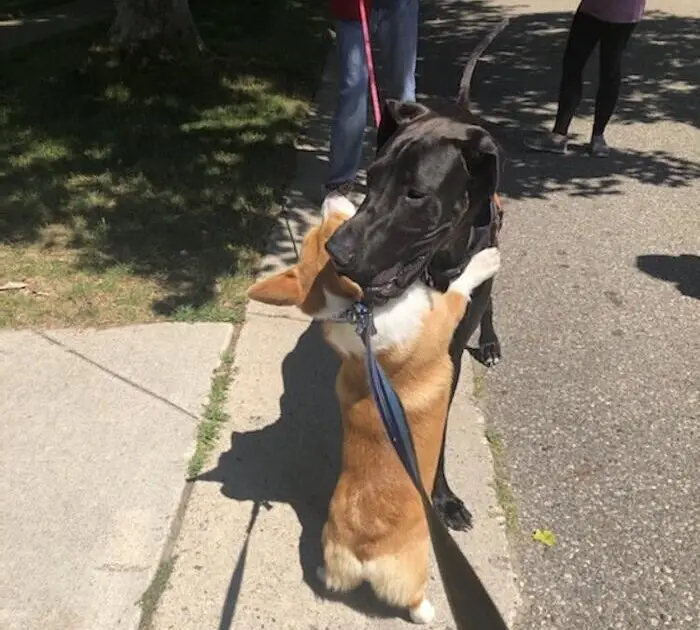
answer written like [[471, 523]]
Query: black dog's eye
[[415, 195]]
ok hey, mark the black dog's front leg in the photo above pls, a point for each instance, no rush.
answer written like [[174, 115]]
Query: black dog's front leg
[[489, 346], [452, 511], [450, 507]]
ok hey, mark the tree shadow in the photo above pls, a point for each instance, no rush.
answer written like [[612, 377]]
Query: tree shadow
[[295, 460], [516, 82], [170, 169], [683, 270]]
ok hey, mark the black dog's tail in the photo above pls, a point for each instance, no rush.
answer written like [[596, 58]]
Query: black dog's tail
[[463, 96]]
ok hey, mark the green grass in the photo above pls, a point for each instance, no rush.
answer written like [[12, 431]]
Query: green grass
[[479, 385], [138, 191], [501, 486], [214, 417], [12, 9]]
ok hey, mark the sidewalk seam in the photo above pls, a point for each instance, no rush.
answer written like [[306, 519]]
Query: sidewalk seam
[[114, 374], [151, 597]]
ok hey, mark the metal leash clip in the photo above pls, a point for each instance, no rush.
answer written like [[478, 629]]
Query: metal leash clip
[[360, 316]]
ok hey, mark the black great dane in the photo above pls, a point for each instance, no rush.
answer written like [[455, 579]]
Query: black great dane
[[431, 205]]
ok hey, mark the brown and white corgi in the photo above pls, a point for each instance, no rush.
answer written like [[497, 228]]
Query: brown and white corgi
[[376, 529]]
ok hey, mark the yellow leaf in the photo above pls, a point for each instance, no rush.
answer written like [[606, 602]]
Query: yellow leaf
[[545, 536]]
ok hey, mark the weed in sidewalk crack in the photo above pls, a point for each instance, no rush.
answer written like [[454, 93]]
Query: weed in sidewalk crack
[[479, 386], [503, 492], [215, 414]]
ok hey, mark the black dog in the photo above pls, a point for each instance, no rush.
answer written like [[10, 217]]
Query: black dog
[[431, 205]]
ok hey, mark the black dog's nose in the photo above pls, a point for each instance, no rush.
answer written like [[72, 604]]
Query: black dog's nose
[[341, 256]]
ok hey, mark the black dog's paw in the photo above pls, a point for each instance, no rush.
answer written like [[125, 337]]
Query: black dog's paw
[[490, 353], [453, 513]]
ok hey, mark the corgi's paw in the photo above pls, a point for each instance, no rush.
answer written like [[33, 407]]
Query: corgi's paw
[[337, 202], [483, 266], [423, 613], [331, 583]]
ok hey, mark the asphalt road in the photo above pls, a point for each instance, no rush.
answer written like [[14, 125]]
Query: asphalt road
[[598, 310]]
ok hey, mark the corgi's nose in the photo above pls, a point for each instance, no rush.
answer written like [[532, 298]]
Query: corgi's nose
[[341, 255]]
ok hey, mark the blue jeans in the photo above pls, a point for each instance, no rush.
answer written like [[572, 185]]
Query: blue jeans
[[394, 27]]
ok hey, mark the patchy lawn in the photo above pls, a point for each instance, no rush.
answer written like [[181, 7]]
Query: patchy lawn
[[138, 192]]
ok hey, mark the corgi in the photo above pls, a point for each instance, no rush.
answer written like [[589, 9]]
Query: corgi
[[376, 529]]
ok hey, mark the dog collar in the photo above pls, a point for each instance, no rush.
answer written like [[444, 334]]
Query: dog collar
[[359, 315]]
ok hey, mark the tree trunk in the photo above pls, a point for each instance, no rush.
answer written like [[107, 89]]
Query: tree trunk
[[154, 24]]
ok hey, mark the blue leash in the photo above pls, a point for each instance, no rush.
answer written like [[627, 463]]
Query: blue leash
[[471, 605], [388, 403]]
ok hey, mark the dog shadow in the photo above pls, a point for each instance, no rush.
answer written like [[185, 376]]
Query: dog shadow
[[296, 461], [682, 270]]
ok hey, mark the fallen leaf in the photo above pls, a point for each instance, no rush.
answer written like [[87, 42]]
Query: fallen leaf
[[545, 536], [13, 286]]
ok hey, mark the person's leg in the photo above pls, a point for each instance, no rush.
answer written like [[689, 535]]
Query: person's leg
[[583, 36], [612, 45], [584, 33], [350, 117], [397, 33]]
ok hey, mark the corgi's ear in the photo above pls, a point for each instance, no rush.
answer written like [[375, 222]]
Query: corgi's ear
[[337, 203], [282, 289]]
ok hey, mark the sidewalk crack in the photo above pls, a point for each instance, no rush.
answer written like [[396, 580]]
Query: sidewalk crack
[[116, 375]]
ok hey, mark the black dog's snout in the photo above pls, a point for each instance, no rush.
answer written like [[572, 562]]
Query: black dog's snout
[[341, 255]]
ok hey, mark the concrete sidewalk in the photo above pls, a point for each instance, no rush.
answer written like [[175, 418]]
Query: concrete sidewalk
[[250, 540], [96, 429]]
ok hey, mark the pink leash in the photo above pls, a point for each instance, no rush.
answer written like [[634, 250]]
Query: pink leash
[[370, 64]]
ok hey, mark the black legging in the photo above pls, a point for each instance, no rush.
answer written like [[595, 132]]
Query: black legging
[[585, 33]]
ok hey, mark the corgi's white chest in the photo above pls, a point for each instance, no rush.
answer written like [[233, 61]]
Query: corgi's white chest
[[397, 322]]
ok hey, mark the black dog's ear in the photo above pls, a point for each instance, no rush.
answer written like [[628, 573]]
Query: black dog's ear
[[394, 114], [482, 157]]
